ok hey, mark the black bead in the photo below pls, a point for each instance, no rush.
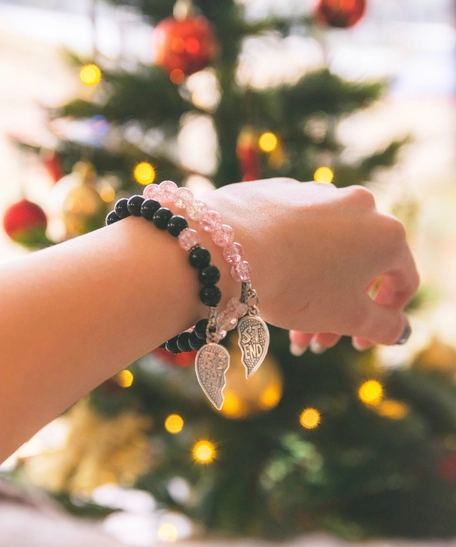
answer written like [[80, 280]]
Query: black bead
[[195, 342], [162, 346], [210, 275], [176, 225], [111, 218], [183, 342], [200, 329], [210, 296], [171, 345], [162, 217], [199, 258], [122, 209], [134, 205], [148, 208]]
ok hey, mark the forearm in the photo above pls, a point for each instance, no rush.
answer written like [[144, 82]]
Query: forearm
[[75, 314]]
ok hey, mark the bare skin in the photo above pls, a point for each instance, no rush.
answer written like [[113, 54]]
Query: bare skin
[[75, 314]]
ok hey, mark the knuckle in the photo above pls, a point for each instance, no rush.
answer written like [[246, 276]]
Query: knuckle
[[361, 196]]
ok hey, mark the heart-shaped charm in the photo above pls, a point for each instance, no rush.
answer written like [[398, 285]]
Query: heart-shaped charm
[[253, 341], [212, 362]]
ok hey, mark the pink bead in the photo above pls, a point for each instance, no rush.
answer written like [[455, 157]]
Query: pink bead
[[197, 209], [226, 321], [188, 238], [221, 334], [210, 221], [152, 191], [183, 198], [233, 253], [168, 189], [241, 271], [223, 236], [236, 308]]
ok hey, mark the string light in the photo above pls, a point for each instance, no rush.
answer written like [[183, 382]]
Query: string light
[[324, 175], [232, 405], [310, 418], [124, 378], [204, 452], [174, 424], [268, 142], [90, 74], [395, 410], [144, 173], [271, 396], [168, 532], [108, 194], [371, 392]]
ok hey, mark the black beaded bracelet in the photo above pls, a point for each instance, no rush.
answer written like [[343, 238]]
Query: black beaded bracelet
[[199, 258]]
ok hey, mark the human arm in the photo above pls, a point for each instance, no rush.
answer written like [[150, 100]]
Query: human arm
[[74, 315]]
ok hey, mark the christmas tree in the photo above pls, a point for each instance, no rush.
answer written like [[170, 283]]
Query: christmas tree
[[332, 441]]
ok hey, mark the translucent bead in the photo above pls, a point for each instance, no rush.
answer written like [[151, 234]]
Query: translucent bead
[[210, 221], [168, 189], [221, 334], [188, 239], [223, 236], [241, 271], [183, 198], [233, 253], [226, 321], [236, 308], [152, 191], [197, 209]]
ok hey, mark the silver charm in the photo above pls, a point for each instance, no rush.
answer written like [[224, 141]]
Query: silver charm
[[253, 341], [212, 362]]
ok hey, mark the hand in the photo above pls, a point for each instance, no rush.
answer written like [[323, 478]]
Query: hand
[[315, 250]]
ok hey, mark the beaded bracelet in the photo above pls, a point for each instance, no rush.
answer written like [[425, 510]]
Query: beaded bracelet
[[243, 312], [212, 360]]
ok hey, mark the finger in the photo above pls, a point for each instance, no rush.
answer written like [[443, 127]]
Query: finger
[[380, 324], [322, 341], [396, 289], [299, 342]]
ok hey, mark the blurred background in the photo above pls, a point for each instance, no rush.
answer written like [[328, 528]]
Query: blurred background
[[100, 99]]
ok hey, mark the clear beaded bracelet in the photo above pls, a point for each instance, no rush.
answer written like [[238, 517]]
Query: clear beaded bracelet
[[242, 312]]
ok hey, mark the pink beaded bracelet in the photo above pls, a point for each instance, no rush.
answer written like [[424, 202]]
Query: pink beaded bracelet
[[242, 312]]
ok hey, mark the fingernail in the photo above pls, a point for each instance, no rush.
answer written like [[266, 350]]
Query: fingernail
[[317, 348], [405, 336], [358, 347], [296, 350]]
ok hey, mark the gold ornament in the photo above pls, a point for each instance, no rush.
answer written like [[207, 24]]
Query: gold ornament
[[437, 356], [260, 393], [76, 204], [98, 451]]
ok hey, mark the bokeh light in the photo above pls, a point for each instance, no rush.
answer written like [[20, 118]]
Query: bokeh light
[[204, 452], [90, 74], [324, 175], [167, 532], [144, 173], [124, 378], [174, 423], [310, 418], [371, 392], [268, 142]]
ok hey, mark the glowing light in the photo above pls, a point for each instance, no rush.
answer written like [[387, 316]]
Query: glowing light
[[324, 175], [124, 378], [371, 392], [232, 406], [395, 410], [310, 418], [204, 452], [167, 532], [268, 142], [174, 423], [144, 173], [108, 194], [271, 396], [177, 76], [90, 74]]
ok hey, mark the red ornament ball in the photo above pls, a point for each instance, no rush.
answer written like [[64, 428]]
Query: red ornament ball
[[180, 360], [184, 46], [25, 222], [340, 13]]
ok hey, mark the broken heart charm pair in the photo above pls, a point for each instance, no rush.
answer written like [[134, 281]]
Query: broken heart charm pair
[[213, 360]]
